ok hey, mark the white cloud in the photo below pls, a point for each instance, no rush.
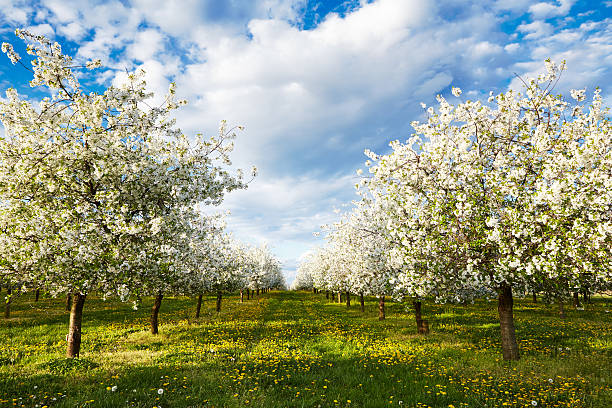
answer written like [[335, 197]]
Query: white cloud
[[73, 31], [146, 45], [512, 47], [548, 10], [63, 11], [15, 13], [535, 30], [485, 49]]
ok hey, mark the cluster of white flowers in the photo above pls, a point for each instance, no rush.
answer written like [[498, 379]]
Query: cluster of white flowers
[[10, 52]]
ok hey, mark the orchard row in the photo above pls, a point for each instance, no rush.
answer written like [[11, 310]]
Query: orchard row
[[487, 199]]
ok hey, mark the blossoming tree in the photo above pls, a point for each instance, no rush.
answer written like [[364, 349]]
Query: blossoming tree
[[89, 180], [503, 194]]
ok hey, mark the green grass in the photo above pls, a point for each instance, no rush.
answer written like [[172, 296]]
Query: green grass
[[298, 350]]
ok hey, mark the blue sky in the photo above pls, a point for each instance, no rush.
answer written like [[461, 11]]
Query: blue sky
[[317, 82]]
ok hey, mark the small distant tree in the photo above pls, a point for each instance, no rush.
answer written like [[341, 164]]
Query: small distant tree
[[303, 278], [263, 270]]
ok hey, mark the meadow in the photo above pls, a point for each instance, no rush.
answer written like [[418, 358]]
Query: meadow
[[297, 349]]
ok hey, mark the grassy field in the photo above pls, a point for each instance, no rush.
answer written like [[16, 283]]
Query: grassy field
[[297, 350]]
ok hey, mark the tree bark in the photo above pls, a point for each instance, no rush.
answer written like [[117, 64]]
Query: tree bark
[[68, 302], [348, 299], [381, 308], [576, 299], [73, 348], [535, 298], [339, 297], [257, 292], [7, 305], [241, 296], [219, 301], [585, 296], [327, 294], [36, 295], [155, 313], [361, 300], [561, 308], [199, 306], [422, 325], [505, 304]]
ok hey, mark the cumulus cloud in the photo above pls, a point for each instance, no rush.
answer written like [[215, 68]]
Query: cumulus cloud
[[73, 31], [14, 13], [548, 10], [535, 30]]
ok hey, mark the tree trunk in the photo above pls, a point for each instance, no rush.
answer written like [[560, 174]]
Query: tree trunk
[[535, 298], [155, 313], [68, 302], [576, 299], [381, 308], [218, 302], [7, 305], [257, 292], [561, 308], [73, 348], [241, 296], [339, 297], [585, 296], [506, 323], [361, 300], [36, 295], [327, 294], [422, 325], [348, 299], [199, 307]]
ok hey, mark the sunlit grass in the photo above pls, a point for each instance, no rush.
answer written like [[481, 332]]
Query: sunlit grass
[[299, 350]]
